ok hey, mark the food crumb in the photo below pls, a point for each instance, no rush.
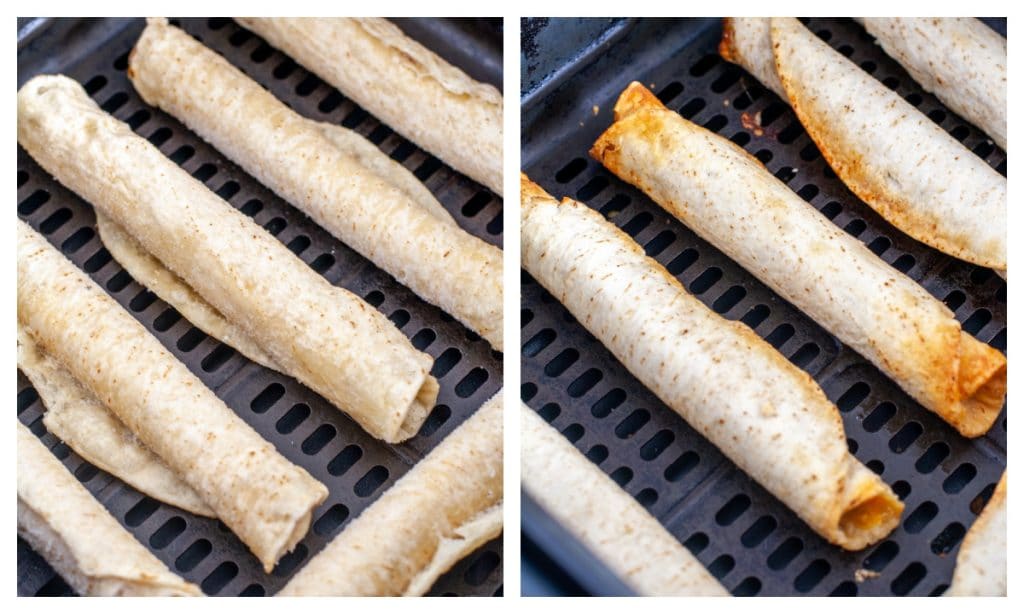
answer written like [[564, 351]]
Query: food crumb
[[597, 109], [864, 574]]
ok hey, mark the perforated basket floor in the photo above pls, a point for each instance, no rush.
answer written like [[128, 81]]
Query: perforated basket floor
[[306, 429], [750, 541]]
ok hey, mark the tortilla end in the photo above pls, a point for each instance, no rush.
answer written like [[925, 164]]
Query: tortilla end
[[528, 190], [870, 520], [982, 385]]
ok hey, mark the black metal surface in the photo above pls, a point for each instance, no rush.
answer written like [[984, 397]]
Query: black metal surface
[[305, 428], [749, 540]]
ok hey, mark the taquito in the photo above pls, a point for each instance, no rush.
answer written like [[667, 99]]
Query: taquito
[[959, 59], [604, 518], [731, 200], [76, 417], [406, 85], [78, 537], [262, 497], [981, 563], [448, 505], [734, 388], [324, 336], [892, 156], [302, 163], [148, 271]]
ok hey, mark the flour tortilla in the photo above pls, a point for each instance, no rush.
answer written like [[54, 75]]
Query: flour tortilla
[[407, 86], [747, 41], [78, 537], [731, 200], [959, 59], [300, 160], [324, 336], [262, 497], [148, 271], [80, 420], [444, 508], [765, 414], [981, 564], [892, 156], [604, 518]]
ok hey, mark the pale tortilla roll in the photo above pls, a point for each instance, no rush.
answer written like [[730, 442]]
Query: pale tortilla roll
[[448, 505], [292, 155], [734, 388], [80, 420], [604, 518], [324, 336], [407, 86], [981, 564], [731, 200], [148, 271], [94, 554], [892, 156], [959, 59], [262, 497]]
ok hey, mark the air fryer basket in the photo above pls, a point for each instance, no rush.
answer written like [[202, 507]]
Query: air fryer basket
[[306, 429], [750, 541]]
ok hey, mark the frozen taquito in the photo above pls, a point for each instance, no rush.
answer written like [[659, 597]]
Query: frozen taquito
[[981, 564], [335, 184], [78, 537], [448, 505], [959, 59], [604, 518], [406, 85], [262, 497], [324, 336], [892, 156], [731, 200], [76, 417], [734, 388], [158, 279]]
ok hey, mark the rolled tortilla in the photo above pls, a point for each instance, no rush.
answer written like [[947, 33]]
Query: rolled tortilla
[[407, 86], [959, 59], [292, 155], [148, 271], [448, 505], [604, 518], [94, 554], [892, 156], [262, 497], [80, 420], [324, 336], [981, 564], [731, 200], [765, 414]]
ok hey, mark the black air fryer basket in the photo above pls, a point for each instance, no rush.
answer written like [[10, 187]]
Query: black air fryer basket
[[306, 429], [573, 71]]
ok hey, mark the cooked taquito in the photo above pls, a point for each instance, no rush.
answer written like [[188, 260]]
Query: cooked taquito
[[981, 563], [734, 388], [892, 156], [604, 518], [302, 162], [448, 505], [959, 59], [406, 85], [324, 336], [731, 200], [262, 497], [78, 537], [76, 417]]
